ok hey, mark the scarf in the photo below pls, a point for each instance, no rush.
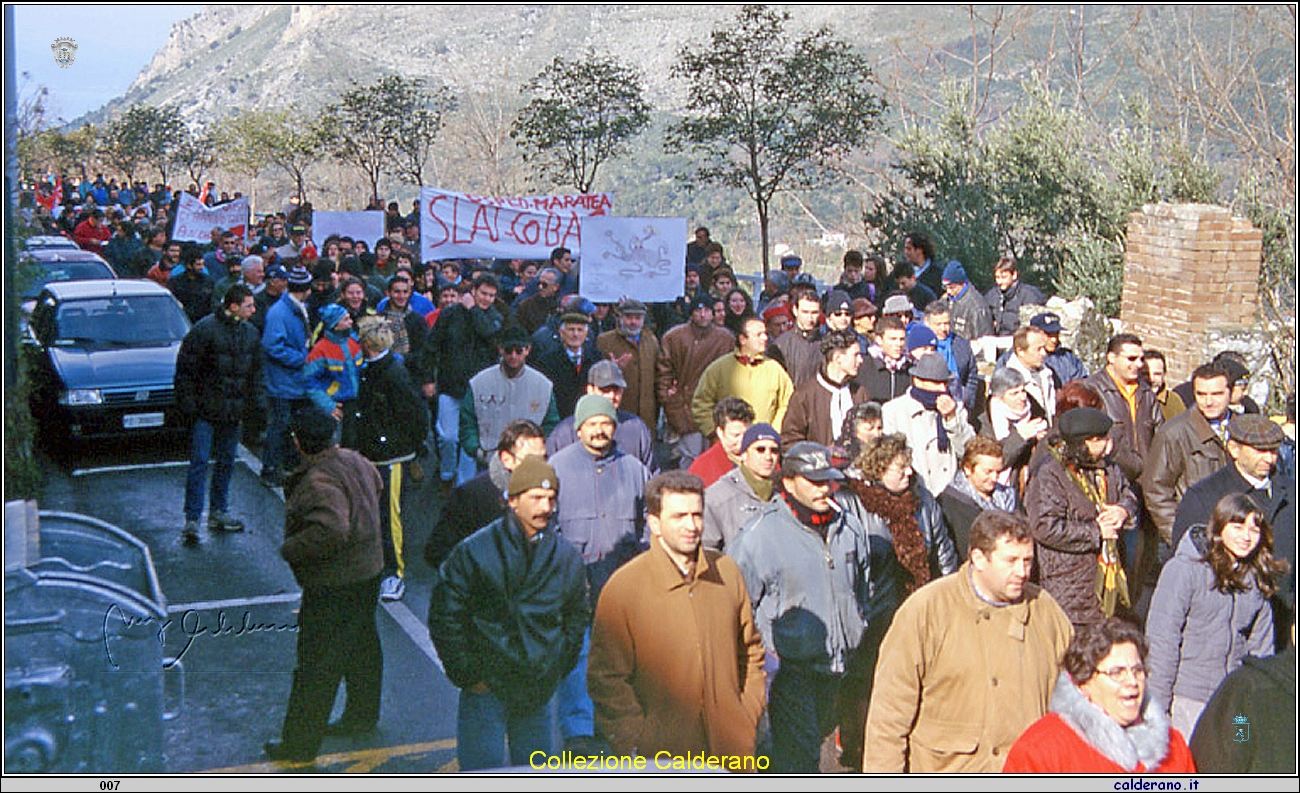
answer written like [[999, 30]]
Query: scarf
[[1003, 419], [898, 510], [745, 360], [762, 487], [841, 398], [1003, 500], [893, 365], [817, 521], [944, 348], [928, 400]]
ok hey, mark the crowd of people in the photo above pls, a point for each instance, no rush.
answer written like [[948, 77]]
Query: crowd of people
[[893, 521]]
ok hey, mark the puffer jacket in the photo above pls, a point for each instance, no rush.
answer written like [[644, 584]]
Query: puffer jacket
[[331, 520], [1067, 538], [510, 613], [219, 370], [284, 349], [887, 577], [809, 595], [1197, 634]]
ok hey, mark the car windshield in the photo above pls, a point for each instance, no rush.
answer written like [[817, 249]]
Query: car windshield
[[65, 271], [136, 321]]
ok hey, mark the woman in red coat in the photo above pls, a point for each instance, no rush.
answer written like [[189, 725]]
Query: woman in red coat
[[1100, 720]]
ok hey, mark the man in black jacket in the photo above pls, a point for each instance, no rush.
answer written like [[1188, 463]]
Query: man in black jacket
[[507, 615], [218, 376], [482, 500], [391, 424]]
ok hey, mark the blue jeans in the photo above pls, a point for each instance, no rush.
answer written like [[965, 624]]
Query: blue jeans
[[577, 713], [278, 454], [483, 727], [454, 464], [206, 440], [803, 709]]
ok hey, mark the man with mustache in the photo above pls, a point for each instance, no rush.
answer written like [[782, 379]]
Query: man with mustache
[[600, 512]]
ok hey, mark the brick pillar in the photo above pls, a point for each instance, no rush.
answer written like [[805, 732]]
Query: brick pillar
[[1188, 268]]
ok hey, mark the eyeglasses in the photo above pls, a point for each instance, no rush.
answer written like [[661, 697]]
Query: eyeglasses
[[1117, 674], [767, 449], [841, 313]]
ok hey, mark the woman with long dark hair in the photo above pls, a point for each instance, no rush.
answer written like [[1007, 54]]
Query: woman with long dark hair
[[739, 308], [1211, 608]]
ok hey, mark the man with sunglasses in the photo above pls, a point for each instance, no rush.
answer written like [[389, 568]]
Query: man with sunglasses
[[745, 490], [1130, 403], [506, 392]]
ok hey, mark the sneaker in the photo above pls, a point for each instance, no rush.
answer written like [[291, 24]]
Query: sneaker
[[190, 534], [221, 521], [392, 588]]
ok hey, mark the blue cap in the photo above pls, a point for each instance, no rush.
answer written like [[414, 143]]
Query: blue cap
[[758, 432], [954, 273], [919, 335]]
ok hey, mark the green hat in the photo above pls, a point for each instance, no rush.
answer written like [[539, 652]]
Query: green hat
[[533, 472], [593, 405]]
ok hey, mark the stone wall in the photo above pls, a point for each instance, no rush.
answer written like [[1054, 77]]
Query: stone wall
[[1191, 272]]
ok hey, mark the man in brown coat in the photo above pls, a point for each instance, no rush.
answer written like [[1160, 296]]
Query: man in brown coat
[[1186, 449], [684, 353], [332, 543], [818, 407], [636, 351], [676, 662]]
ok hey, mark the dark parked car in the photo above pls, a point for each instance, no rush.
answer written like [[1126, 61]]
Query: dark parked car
[[43, 266], [104, 356]]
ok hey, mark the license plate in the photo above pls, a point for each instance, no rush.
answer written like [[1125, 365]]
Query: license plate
[[135, 421]]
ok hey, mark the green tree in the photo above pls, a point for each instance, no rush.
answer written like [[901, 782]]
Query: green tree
[[197, 153], [1043, 183], [581, 115], [145, 135], [769, 113], [289, 139], [386, 128]]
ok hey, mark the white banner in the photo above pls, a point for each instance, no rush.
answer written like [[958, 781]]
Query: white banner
[[643, 258], [367, 226], [462, 226], [195, 222]]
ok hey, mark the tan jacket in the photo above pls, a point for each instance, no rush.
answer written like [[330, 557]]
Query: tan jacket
[[676, 666], [639, 396], [959, 680], [684, 353]]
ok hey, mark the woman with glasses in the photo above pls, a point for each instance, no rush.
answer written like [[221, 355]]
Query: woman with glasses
[[1100, 720], [1211, 607]]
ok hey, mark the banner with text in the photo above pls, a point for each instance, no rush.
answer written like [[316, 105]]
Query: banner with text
[[643, 258], [367, 226], [462, 226], [195, 222]]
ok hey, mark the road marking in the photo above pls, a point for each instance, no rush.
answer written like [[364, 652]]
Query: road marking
[[212, 605], [113, 469], [360, 761], [414, 628], [411, 625]]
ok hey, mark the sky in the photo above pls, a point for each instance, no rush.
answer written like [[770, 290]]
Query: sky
[[114, 42]]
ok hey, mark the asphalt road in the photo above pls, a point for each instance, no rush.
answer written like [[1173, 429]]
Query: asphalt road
[[236, 682]]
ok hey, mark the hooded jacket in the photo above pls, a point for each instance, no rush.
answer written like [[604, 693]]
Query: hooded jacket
[[1198, 635]]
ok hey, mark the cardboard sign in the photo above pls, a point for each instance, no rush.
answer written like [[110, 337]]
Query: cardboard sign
[[195, 222], [367, 226], [642, 258]]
